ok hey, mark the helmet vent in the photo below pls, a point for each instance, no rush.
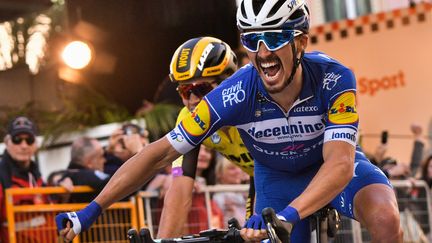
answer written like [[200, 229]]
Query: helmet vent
[[244, 23], [272, 22], [257, 6], [297, 14], [220, 59], [275, 8], [243, 10]]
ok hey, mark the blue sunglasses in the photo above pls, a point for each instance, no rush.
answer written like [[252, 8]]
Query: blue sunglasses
[[272, 39]]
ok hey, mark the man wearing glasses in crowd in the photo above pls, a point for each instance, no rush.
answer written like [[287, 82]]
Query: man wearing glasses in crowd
[[18, 170], [296, 114]]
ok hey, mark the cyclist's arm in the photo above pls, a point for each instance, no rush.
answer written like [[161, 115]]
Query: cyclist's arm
[[177, 204], [136, 171], [335, 173], [178, 199]]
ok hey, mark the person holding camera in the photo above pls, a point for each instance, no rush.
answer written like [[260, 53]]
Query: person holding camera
[[124, 143]]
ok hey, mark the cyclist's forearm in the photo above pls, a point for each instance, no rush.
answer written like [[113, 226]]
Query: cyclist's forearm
[[332, 177], [177, 204], [136, 171]]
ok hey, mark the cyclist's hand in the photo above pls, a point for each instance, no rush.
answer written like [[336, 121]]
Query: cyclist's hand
[[67, 234], [254, 230], [71, 224]]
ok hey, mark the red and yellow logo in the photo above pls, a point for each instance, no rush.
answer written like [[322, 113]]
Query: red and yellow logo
[[343, 110], [198, 122]]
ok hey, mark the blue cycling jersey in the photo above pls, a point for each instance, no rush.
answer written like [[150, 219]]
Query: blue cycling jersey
[[286, 145], [288, 141]]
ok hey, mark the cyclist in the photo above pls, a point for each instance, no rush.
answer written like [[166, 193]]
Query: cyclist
[[196, 76], [296, 114]]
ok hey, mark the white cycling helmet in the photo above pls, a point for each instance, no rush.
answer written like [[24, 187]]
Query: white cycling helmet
[[273, 14]]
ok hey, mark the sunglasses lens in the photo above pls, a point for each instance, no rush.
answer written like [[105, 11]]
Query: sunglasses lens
[[199, 90], [276, 40], [18, 140], [250, 41], [273, 39], [30, 140]]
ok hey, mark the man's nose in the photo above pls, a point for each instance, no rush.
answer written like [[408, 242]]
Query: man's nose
[[193, 99], [263, 51]]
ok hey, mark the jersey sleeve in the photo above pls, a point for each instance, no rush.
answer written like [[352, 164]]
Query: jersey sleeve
[[339, 89], [185, 165], [222, 106]]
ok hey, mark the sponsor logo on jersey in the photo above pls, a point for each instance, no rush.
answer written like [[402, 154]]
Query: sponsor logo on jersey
[[260, 112], [233, 95], [305, 108], [176, 136], [330, 80], [344, 135], [293, 152], [204, 56], [198, 122], [343, 110], [215, 138], [297, 127]]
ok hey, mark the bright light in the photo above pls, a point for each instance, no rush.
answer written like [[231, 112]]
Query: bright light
[[77, 55]]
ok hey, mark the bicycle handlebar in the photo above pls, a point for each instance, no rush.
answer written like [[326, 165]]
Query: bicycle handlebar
[[232, 235], [278, 232]]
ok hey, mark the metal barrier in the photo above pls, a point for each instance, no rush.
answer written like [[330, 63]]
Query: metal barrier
[[411, 195], [146, 212], [35, 223]]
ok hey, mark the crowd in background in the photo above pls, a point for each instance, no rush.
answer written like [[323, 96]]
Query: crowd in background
[[92, 164]]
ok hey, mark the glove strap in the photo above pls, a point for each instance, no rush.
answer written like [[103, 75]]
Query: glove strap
[[289, 214], [76, 225]]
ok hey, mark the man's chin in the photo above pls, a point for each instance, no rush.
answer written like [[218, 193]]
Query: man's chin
[[274, 89]]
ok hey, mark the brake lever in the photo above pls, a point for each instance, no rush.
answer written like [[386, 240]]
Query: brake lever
[[132, 236], [145, 236], [277, 230]]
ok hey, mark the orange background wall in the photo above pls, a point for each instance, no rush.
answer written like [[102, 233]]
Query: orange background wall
[[393, 67]]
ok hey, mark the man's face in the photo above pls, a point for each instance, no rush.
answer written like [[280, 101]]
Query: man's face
[[95, 159], [192, 92], [275, 67], [21, 147]]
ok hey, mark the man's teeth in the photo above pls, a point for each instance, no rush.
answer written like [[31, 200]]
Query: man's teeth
[[268, 64]]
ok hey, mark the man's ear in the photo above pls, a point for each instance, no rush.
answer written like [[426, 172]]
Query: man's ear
[[304, 39]]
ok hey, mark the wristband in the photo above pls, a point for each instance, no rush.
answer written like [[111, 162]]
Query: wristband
[[289, 214], [89, 214], [81, 220]]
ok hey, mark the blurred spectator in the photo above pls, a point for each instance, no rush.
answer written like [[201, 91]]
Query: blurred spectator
[[426, 170], [123, 144], [417, 153], [18, 170], [232, 204], [86, 168], [391, 167]]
